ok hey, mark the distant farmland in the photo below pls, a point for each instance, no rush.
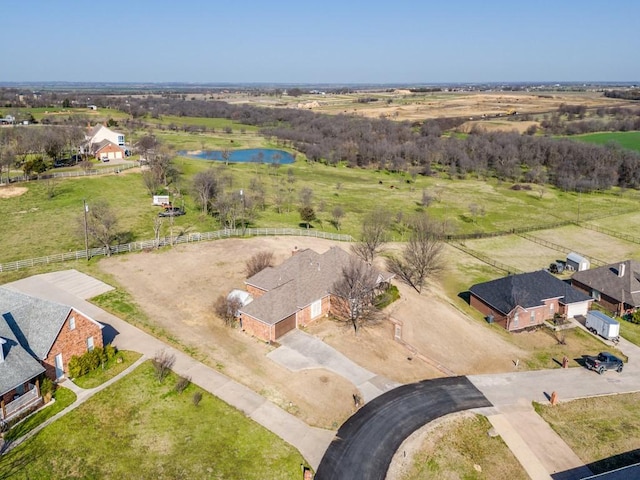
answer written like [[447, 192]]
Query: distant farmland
[[630, 140]]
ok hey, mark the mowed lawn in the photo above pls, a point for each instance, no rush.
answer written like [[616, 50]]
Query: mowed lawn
[[141, 429]]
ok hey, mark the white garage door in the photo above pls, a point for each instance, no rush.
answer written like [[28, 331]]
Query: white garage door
[[575, 309]]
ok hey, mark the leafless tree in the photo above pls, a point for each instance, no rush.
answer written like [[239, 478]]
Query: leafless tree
[[421, 258], [337, 213], [306, 197], [355, 292], [226, 154], [157, 227], [227, 308], [102, 224], [162, 363], [259, 262], [373, 235], [205, 188]]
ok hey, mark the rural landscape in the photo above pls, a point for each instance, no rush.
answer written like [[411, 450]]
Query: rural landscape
[[178, 268], [347, 241]]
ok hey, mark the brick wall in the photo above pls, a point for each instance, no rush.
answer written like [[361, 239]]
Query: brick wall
[[255, 292], [611, 304], [486, 310], [256, 328], [8, 397], [72, 342], [304, 315]]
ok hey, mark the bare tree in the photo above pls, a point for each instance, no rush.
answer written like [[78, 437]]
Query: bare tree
[[306, 197], [101, 224], [337, 213], [259, 262], [227, 309], [205, 188], [157, 227], [421, 257], [162, 363], [355, 292], [226, 154], [373, 235]]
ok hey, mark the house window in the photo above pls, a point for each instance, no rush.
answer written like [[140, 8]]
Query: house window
[[595, 294], [90, 344], [120, 139], [551, 308], [515, 319], [72, 323], [533, 317], [316, 308]]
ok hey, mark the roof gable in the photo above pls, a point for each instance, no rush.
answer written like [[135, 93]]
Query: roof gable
[[608, 280], [526, 290], [35, 322], [300, 280]]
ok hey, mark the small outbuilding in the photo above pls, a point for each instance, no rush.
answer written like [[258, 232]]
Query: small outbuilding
[[577, 262]]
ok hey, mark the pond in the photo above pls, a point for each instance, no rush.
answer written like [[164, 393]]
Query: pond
[[255, 155]]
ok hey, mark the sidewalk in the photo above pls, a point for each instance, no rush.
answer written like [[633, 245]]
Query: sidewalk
[[311, 442]]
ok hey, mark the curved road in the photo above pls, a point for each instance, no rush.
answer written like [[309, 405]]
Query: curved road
[[365, 444]]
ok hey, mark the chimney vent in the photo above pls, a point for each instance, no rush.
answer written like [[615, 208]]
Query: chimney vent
[[621, 270]]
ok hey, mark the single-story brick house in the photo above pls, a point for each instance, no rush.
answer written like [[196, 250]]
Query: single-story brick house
[[37, 336], [527, 299], [615, 287], [295, 293]]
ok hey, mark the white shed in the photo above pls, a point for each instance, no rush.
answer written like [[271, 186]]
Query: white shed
[[577, 262]]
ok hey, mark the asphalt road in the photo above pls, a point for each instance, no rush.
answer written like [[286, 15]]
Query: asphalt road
[[365, 444]]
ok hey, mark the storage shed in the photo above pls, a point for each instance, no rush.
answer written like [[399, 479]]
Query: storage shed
[[577, 262]]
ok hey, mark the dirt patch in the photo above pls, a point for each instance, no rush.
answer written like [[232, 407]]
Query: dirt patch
[[176, 289], [9, 191]]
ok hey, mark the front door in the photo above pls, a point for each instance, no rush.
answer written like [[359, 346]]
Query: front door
[[59, 366]]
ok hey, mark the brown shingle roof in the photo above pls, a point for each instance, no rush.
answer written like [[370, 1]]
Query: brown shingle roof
[[625, 288], [302, 279]]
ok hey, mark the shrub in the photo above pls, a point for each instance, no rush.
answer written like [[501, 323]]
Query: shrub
[[387, 297], [182, 384], [162, 362], [89, 361], [226, 308], [196, 398], [47, 387]]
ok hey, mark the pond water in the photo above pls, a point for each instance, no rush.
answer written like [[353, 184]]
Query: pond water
[[256, 155]]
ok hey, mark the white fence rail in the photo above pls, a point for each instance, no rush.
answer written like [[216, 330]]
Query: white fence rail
[[165, 241], [23, 401], [74, 173]]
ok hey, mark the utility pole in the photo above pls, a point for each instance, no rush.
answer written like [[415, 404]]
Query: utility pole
[[86, 230]]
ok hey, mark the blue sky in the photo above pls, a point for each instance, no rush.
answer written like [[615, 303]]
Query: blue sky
[[283, 41]]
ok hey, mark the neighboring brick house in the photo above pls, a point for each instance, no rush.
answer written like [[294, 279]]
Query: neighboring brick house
[[107, 150], [615, 287], [295, 293], [527, 299], [38, 336]]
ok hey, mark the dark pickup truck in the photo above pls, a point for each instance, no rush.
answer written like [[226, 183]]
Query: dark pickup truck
[[603, 362]]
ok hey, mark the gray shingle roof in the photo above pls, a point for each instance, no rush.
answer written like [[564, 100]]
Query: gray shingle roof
[[527, 290], [302, 279], [30, 326], [606, 280]]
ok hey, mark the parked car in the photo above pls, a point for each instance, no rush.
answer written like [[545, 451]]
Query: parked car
[[603, 362], [171, 212]]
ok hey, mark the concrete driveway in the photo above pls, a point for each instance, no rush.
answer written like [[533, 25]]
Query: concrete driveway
[[301, 351], [311, 442]]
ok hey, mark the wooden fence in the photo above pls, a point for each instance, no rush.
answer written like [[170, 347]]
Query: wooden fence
[[175, 240]]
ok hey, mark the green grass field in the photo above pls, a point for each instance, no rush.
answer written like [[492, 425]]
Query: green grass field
[[456, 448], [36, 225], [630, 140], [139, 428], [602, 431]]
